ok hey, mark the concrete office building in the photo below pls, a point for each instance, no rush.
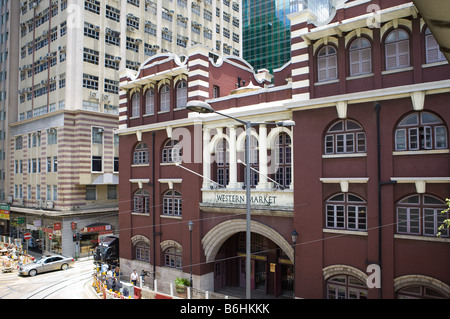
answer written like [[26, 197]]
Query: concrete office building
[[64, 155], [9, 43]]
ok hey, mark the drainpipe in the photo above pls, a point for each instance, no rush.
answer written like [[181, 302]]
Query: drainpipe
[[380, 184], [154, 212]]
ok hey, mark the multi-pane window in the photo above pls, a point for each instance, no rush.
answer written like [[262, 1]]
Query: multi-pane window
[[140, 155], [111, 86], [90, 81], [172, 203], [90, 56], [92, 6], [223, 162], [346, 211], [346, 287], [150, 101], [181, 94], [283, 160], [397, 50], [173, 258], [96, 163], [327, 64], [91, 31], [421, 215], [97, 135], [165, 98], [421, 131], [433, 52], [345, 137], [360, 54], [141, 202], [171, 152], [112, 13], [143, 252], [112, 37], [136, 105]]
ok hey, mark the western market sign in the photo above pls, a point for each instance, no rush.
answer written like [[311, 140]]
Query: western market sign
[[222, 200]]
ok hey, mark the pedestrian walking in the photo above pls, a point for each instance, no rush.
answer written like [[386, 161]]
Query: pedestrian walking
[[134, 277]]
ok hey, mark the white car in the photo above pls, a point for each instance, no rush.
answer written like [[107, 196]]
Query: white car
[[46, 263]]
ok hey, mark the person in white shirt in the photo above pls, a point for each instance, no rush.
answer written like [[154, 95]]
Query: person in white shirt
[[134, 277]]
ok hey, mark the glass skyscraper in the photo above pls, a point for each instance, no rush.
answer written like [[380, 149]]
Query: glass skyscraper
[[267, 30]]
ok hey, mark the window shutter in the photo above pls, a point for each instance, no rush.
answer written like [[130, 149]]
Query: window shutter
[[403, 53]]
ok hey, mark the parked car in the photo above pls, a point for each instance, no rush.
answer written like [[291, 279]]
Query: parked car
[[46, 263]]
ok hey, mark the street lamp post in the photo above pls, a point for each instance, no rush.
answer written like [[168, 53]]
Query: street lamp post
[[294, 235], [203, 107], [190, 226]]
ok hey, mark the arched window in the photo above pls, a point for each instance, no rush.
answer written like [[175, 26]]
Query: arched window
[[150, 101], [182, 94], [433, 52], [140, 155], [346, 287], [141, 202], [173, 257], [136, 105], [345, 137], [283, 160], [223, 162], [420, 131], [171, 152], [419, 292], [360, 55], [397, 49], [142, 251], [172, 203], [421, 215], [164, 98], [327, 64], [346, 211]]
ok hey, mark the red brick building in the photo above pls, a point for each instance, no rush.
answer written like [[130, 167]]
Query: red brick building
[[362, 177]]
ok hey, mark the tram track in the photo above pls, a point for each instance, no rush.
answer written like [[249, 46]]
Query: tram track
[[45, 292]]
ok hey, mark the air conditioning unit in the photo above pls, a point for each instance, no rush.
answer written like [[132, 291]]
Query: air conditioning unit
[[106, 97], [20, 202], [117, 58], [138, 41], [94, 95], [49, 205], [41, 203], [9, 200]]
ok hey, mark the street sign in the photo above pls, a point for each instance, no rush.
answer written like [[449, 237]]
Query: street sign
[[20, 220], [27, 236]]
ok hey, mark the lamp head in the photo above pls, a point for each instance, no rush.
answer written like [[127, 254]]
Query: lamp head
[[286, 123], [199, 106]]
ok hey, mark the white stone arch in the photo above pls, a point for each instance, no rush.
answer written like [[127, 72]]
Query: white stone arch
[[169, 244], [325, 41], [164, 82], [138, 239], [275, 132], [395, 24], [240, 141], [218, 235], [215, 140], [336, 270], [410, 280]]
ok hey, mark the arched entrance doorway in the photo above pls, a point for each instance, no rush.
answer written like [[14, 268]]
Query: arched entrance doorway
[[271, 259]]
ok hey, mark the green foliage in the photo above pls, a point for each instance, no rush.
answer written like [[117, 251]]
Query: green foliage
[[446, 223], [182, 282]]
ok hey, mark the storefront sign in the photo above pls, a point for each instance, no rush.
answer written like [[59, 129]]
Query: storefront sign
[[242, 199], [47, 230], [57, 226], [4, 212], [263, 198], [93, 229]]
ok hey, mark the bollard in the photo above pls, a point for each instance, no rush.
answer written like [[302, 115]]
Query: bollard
[[171, 289]]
